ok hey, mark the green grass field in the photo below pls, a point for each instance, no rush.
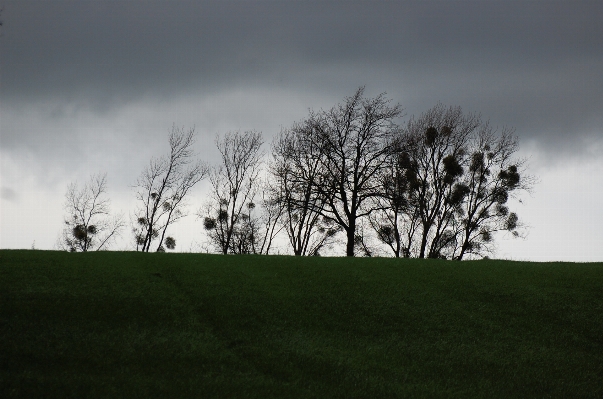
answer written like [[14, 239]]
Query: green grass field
[[132, 325]]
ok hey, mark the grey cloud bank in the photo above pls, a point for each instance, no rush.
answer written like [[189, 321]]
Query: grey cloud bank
[[534, 64]]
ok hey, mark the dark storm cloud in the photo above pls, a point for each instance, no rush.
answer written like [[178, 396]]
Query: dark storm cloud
[[531, 64]]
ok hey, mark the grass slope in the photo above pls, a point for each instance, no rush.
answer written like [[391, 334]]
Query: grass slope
[[129, 325]]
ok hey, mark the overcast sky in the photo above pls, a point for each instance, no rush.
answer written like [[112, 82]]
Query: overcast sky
[[94, 86]]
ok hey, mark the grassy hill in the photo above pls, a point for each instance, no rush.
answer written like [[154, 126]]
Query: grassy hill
[[125, 325]]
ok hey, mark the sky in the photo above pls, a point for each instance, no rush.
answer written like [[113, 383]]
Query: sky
[[95, 86]]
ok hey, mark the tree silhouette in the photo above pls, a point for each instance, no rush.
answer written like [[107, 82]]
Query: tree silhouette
[[89, 225], [162, 188], [355, 138], [227, 216], [432, 149], [295, 171], [492, 178], [458, 174]]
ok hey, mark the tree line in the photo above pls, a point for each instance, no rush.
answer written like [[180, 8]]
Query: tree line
[[437, 186]]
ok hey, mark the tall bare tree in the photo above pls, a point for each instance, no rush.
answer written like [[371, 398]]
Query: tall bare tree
[[89, 225], [162, 188], [355, 139], [234, 185]]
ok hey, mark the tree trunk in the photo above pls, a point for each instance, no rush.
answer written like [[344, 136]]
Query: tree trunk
[[350, 243], [351, 234], [423, 242], [464, 246]]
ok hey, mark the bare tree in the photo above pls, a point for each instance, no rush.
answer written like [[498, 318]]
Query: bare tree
[[162, 188], [433, 150], [295, 170], [89, 225], [354, 137], [493, 176], [227, 215], [459, 174], [256, 227]]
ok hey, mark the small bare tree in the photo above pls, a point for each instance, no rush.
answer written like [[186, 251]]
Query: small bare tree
[[227, 216], [162, 188], [89, 225]]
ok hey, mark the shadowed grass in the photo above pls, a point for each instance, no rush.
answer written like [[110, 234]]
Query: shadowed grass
[[128, 325]]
